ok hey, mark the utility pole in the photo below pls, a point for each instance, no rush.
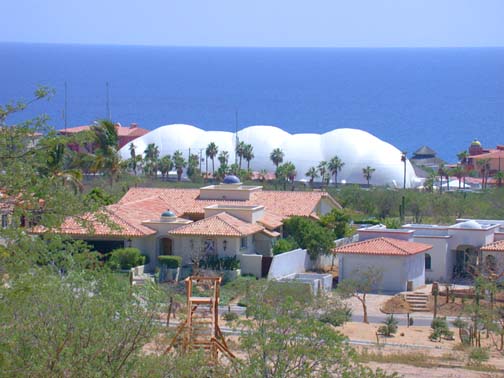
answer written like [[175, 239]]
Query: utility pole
[[65, 110], [236, 136], [404, 159], [109, 117]]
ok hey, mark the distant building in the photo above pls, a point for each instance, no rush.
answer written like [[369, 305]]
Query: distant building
[[125, 134], [494, 157], [425, 157]]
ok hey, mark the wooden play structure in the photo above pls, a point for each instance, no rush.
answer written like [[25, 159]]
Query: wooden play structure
[[201, 329]]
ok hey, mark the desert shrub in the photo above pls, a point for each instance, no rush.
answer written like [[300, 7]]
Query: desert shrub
[[230, 316], [389, 326], [214, 262], [478, 355], [125, 258], [284, 245], [171, 262], [336, 317], [440, 330]]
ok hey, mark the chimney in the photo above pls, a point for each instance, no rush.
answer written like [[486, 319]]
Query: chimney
[[133, 125]]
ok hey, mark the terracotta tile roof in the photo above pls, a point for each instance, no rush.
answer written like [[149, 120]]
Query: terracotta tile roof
[[121, 131], [383, 246], [141, 204], [497, 246], [221, 224], [271, 220]]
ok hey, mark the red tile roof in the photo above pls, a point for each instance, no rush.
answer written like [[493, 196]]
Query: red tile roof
[[141, 204], [383, 246], [221, 224], [121, 131], [497, 246]]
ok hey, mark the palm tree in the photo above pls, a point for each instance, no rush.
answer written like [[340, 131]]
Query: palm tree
[[211, 152], [133, 160], [57, 171], [240, 148], [180, 163], [334, 166], [248, 154], [165, 165], [107, 159], [323, 169], [459, 173], [483, 166], [312, 173], [368, 172], [277, 156], [151, 158], [223, 158], [463, 158], [441, 173], [499, 176], [286, 172]]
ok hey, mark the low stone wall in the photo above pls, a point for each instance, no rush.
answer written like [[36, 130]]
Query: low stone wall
[[318, 282], [251, 264]]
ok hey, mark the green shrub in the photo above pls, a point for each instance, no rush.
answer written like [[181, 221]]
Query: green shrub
[[171, 262], [389, 326], [440, 330], [478, 355], [125, 258], [336, 317], [284, 245], [230, 316]]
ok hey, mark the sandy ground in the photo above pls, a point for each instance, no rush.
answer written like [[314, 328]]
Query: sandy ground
[[417, 372]]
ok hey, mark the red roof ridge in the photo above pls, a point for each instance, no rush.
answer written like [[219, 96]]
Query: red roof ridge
[[398, 245]]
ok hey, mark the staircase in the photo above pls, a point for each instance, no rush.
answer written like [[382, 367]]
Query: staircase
[[418, 301]]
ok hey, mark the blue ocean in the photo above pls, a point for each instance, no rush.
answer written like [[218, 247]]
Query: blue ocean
[[442, 98]]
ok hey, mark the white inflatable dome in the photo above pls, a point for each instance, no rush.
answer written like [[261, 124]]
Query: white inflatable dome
[[356, 148]]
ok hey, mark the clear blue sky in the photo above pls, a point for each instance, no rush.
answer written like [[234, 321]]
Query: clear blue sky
[[348, 23]]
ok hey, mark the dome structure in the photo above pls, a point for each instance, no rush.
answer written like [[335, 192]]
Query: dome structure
[[231, 179], [168, 214], [357, 149], [470, 224]]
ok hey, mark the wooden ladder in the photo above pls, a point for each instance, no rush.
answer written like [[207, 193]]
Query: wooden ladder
[[201, 329]]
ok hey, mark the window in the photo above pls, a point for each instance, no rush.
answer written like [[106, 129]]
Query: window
[[490, 263], [5, 221], [243, 243], [428, 263]]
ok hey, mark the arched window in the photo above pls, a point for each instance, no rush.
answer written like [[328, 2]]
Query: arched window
[[428, 262], [490, 263]]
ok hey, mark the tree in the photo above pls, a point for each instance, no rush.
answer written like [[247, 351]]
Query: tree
[[310, 235], [323, 170], [287, 340], [106, 157], [459, 173], [286, 172], [363, 282], [211, 152], [165, 165], [277, 157], [180, 163], [248, 154], [84, 323], [368, 172], [335, 165], [338, 222], [312, 173], [151, 159], [499, 176], [389, 327], [240, 149], [224, 158], [484, 168], [441, 173], [193, 166]]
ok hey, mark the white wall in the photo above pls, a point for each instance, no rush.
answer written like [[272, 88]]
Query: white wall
[[251, 264], [441, 261], [397, 270], [296, 261]]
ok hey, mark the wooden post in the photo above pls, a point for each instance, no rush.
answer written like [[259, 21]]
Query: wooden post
[[435, 292], [170, 304]]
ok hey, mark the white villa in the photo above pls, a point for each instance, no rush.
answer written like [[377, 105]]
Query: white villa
[[453, 252], [228, 219]]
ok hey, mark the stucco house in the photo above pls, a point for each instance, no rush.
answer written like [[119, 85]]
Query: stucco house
[[456, 251], [228, 219], [401, 262]]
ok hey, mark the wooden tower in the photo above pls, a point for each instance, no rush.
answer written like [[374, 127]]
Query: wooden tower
[[201, 328]]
